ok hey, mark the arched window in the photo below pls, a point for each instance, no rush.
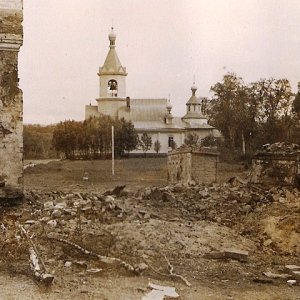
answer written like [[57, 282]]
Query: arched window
[[112, 88]]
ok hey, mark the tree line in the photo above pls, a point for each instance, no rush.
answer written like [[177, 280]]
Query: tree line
[[92, 138], [250, 115], [38, 141]]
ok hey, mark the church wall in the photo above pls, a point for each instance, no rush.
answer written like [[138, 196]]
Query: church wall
[[110, 106], [163, 138], [91, 111], [11, 100]]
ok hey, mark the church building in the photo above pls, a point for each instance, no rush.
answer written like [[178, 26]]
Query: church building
[[151, 116]]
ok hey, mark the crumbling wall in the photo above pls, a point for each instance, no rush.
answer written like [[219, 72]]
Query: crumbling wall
[[179, 167], [273, 170], [277, 164], [205, 167], [11, 108], [187, 166]]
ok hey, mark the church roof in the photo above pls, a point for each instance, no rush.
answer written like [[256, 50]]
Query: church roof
[[112, 64], [194, 100], [149, 114], [145, 110], [193, 115]]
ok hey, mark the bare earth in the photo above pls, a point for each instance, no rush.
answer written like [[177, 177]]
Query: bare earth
[[144, 223]]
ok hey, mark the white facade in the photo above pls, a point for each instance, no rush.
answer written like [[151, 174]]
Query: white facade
[[152, 116]]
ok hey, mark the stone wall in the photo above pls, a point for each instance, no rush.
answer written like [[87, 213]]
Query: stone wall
[[277, 164], [274, 170], [11, 107], [187, 166]]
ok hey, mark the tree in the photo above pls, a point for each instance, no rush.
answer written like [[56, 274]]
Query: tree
[[65, 138], [273, 98], [157, 146], [251, 115], [232, 110], [92, 138], [210, 141], [145, 142], [192, 139], [126, 137], [38, 141], [296, 103]]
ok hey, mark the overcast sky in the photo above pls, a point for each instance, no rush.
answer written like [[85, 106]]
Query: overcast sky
[[163, 44]]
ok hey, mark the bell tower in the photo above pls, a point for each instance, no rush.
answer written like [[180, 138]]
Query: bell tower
[[112, 74]]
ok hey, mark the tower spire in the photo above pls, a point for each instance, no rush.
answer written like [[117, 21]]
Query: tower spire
[[112, 38], [194, 87]]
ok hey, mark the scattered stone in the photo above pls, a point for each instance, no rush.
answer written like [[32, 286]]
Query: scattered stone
[[274, 275], [68, 264], [268, 242], [52, 223], [95, 270], [56, 214], [237, 254], [61, 205], [85, 176], [263, 280], [48, 205], [30, 222], [109, 199], [159, 292], [141, 268], [116, 191], [291, 282], [292, 267]]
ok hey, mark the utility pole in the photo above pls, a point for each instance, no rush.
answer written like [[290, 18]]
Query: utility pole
[[112, 151]]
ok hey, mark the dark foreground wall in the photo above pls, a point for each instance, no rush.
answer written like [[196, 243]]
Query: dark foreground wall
[[11, 108]]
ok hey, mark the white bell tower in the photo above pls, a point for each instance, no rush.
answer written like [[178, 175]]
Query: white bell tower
[[112, 81], [112, 74]]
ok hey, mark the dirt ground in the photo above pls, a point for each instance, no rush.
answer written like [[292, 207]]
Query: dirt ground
[[148, 224]]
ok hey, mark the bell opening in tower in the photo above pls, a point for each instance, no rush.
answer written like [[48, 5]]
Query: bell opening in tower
[[112, 88]]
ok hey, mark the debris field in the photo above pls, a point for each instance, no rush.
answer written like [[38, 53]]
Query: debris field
[[235, 231]]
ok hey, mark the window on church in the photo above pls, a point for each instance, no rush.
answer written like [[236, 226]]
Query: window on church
[[113, 88], [171, 141]]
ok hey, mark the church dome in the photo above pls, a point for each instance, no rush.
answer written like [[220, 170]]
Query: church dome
[[169, 105], [194, 88], [112, 35]]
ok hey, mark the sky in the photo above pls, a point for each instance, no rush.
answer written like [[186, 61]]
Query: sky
[[163, 44]]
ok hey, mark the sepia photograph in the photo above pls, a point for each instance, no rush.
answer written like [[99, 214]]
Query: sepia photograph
[[150, 149]]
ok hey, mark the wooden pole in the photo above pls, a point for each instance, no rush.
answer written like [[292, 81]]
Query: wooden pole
[[112, 151]]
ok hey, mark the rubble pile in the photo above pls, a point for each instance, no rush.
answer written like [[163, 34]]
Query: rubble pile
[[223, 203], [195, 148], [184, 221], [280, 148]]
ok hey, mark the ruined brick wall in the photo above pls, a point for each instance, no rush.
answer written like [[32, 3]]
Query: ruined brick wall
[[179, 167], [11, 125], [275, 170], [205, 167], [277, 164], [187, 166]]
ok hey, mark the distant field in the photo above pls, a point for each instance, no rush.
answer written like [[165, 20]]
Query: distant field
[[135, 173], [67, 175]]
